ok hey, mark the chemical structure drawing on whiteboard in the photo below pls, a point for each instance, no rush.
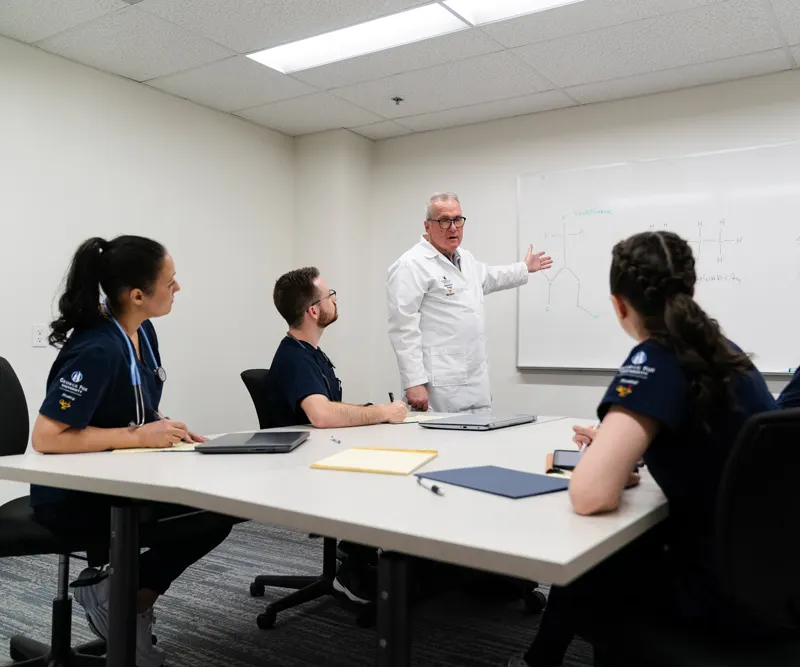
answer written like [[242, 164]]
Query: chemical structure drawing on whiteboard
[[565, 270], [720, 241]]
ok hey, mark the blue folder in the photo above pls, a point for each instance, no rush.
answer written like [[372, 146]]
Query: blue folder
[[499, 481]]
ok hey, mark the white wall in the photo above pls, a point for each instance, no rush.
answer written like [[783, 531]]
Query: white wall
[[333, 226], [481, 163], [84, 154]]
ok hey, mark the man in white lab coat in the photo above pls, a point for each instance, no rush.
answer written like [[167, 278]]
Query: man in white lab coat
[[435, 295]]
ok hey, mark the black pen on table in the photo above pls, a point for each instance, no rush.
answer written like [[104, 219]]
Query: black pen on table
[[391, 397], [433, 488]]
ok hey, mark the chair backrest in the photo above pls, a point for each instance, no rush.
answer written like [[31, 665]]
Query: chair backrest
[[758, 515], [14, 422], [255, 379]]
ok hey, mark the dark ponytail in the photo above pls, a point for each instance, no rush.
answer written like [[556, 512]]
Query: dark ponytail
[[655, 273], [125, 263]]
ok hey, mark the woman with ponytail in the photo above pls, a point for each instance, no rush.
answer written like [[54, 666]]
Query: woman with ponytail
[[678, 402], [103, 392]]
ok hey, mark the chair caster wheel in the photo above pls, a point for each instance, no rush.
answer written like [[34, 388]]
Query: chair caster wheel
[[266, 621], [535, 601], [257, 590]]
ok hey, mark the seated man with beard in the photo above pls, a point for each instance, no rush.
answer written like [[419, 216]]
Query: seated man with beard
[[302, 388]]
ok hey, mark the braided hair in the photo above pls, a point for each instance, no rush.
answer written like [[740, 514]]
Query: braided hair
[[655, 273]]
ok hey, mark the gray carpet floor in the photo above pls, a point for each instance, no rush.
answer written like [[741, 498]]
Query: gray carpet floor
[[208, 618]]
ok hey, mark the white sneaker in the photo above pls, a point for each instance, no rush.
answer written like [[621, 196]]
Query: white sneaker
[[147, 653], [94, 600]]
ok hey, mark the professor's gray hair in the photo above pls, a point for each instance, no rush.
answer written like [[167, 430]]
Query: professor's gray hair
[[439, 197]]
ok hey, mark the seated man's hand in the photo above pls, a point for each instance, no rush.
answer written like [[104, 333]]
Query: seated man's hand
[[395, 412]]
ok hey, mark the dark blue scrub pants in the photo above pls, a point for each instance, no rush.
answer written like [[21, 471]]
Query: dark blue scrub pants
[[177, 536], [639, 581]]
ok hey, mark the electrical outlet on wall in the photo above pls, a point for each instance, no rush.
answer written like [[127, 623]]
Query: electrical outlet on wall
[[39, 335]]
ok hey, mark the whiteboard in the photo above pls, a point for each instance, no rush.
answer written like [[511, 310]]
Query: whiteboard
[[739, 210]]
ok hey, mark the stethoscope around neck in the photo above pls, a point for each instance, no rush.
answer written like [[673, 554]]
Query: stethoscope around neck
[[136, 377], [327, 360]]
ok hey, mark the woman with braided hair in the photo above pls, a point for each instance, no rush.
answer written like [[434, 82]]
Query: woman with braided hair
[[678, 402]]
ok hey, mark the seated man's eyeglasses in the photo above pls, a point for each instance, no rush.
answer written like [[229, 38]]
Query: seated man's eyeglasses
[[328, 296], [445, 223]]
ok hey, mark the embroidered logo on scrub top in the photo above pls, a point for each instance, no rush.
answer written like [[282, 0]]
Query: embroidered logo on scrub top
[[448, 285], [624, 391], [639, 358], [72, 388], [65, 405]]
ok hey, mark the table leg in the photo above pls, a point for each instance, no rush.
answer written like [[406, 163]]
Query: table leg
[[394, 617], [124, 559]]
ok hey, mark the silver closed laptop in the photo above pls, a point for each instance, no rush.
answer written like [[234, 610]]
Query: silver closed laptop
[[478, 422]]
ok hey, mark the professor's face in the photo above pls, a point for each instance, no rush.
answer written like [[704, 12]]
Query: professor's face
[[445, 237]]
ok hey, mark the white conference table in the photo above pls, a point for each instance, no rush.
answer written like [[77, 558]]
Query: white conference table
[[538, 539]]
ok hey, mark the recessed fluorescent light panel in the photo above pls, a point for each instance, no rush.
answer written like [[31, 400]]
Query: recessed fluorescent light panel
[[478, 12], [378, 35]]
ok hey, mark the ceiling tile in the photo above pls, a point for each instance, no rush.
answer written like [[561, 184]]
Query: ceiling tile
[[134, 44], [383, 130], [251, 25], [684, 77], [466, 82], [231, 84], [32, 20], [788, 12], [720, 31], [407, 58], [582, 17], [312, 113], [517, 106]]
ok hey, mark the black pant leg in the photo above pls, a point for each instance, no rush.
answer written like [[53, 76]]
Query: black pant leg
[[177, 536], [359, 553], [196, 533], [592, 605], [556, 630]]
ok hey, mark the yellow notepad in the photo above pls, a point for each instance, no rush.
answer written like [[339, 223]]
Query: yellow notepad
[[182, 447], [375, 459]]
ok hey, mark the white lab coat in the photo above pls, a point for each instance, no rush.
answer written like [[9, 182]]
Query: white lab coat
[[437, 327]]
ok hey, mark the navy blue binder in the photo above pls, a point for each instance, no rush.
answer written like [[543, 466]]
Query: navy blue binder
[[499, 481]]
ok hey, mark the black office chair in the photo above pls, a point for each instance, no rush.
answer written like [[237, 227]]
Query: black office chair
[[306, 588], [20, 535], [758, 510], [255, 379]]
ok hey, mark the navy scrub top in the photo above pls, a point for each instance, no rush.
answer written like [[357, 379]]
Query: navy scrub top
[[90, 385], [685, 459], [298, 370], [790, 396]]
